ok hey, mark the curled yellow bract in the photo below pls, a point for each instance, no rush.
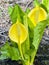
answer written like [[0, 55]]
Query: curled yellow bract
[[37, 14], [18, 33]]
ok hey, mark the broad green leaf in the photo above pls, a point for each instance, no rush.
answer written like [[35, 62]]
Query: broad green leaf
[[4, 55], [17, 13], [13, 52], [46, 4], [16, 54], [38, 32], [10, 52], [4, 52]]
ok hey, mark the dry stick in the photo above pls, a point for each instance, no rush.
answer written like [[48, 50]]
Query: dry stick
[[20, 2], [28, 5]]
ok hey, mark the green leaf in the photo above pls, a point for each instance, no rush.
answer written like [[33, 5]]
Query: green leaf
[[4, 55], [38, 32], [36, 2], [46, 4], [13, 52], [10, 8], [48, 19], [31, 30], [10, 52], [4, 52], [16, 54], [27, 10], [26, 44], [17, 13]]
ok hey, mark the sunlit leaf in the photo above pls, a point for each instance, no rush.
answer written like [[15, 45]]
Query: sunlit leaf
[[8, 51], [38, 32], [46, 4], [17, 13]]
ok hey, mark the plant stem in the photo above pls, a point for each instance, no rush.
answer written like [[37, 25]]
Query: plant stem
[[21, 51], [26, 63], [19, 46], [33, 57]]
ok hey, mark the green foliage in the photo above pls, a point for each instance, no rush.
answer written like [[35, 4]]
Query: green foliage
[[27, 10], [48, 19], [17, 13], [38, 32], [46, 4], [31, 44], [4, 54], [36, 2], [8, 51], [26, 44]]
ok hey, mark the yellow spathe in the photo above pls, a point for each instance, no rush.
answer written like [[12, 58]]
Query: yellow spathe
[[37, 14], [18, 33]]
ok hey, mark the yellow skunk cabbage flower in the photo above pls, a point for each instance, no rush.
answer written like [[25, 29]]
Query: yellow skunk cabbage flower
[[37, 14], [18, 33]]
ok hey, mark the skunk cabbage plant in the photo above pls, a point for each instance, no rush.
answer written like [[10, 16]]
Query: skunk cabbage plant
[[25, 32]]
